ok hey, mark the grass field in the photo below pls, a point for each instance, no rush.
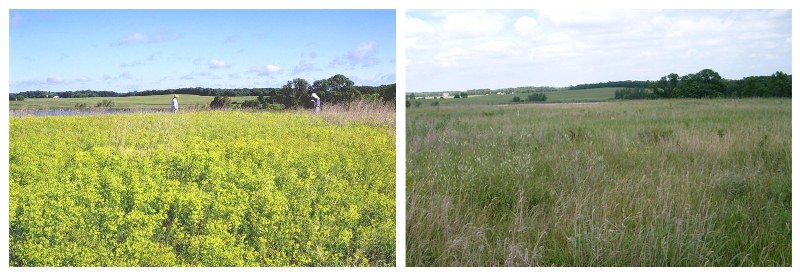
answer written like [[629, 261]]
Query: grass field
[[143, 102], [561, 96], [634, 183], [209, 188]]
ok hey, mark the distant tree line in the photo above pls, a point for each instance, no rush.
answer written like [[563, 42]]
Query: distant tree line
[[104, 93], [334, 90], [526, 89], [614, 84], [484, 91]]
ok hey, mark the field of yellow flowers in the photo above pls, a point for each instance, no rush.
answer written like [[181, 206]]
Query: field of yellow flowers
[[200, 189]]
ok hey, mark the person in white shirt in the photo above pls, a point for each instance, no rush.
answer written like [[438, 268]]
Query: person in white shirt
[[316, 101], [175, 103]]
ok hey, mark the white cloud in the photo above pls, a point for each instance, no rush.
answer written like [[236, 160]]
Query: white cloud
[[470, 24], [450, 58], [415, 26], [528, 27], [265, 70], [217, 64], [494, 46]]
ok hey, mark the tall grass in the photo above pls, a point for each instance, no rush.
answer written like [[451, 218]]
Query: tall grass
[[651, 183], [361, 111]]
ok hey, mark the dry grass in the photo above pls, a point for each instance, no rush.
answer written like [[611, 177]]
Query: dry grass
[[362, 111], [652, 183]]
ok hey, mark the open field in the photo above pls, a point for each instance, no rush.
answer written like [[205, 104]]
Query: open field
[[561, 96], [143, 102], [634, 183], [211, 188]]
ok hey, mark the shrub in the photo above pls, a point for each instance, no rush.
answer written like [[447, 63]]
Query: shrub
[[537, 97], [105, 104], [276, 107], [516, 99], [632, 93], [255, 104], [220, 102]]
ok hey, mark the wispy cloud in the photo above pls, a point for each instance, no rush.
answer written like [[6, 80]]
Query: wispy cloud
[[217, 64], [362, 55], [131, 64], [141, 38], [303, 67], [232, 38], [54, 79], [377, 80], [196, 75], [153, 56], [15, 19], [125, 75]]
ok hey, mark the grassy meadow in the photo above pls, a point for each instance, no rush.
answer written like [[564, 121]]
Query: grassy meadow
[[140, 102], [635, 183], [209, 188]]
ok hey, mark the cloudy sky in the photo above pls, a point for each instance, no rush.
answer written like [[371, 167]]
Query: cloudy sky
[[127, 50], [469, 49]]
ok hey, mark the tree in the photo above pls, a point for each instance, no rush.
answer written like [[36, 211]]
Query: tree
[[464, 95], [516, 99], [665, 88], [753, 86], [706, 83], [780, 85], [337, 89], [293, 94]]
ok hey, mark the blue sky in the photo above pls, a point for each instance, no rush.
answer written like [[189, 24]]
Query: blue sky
[[127, 50], [470, 49]]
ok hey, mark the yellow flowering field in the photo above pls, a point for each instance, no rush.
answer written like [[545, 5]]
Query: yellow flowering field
[[200, 189]]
